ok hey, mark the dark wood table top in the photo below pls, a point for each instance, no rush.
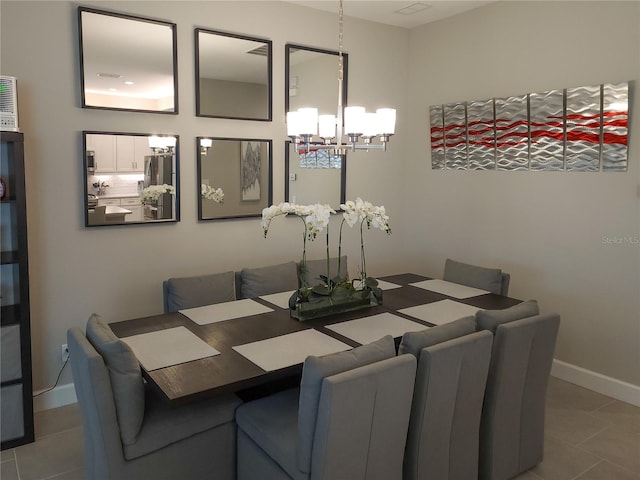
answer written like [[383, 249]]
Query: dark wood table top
[[232, 372]]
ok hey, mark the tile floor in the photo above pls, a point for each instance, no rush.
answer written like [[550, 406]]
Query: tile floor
[[588, 437]]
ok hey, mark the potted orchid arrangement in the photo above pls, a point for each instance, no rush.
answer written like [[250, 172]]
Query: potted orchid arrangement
[[336, 294], [212, 193], [152, 193]]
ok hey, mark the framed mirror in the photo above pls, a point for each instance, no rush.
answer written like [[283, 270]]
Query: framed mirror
[[130, 178], [127, 62], [234, 176], [233, 76], [311, 79], [314, 176]]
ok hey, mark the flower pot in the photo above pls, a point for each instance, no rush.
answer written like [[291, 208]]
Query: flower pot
[[318, 306]]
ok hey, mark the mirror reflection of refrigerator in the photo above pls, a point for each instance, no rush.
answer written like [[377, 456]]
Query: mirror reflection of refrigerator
[[158, 170]]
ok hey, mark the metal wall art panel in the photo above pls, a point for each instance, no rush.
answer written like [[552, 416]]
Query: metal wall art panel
[[481, 135], [615, 124], [512, 133], [583, 129], [582, 124], [455, 136], [546, 127], [437, 137]]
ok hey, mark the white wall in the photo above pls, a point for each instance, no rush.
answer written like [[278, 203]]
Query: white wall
[[118, 271], [548, 229]]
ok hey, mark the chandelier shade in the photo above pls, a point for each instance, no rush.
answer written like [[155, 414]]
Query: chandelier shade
[[354, 122]]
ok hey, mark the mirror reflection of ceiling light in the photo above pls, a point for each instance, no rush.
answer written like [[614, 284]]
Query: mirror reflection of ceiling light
[[205, 145], [305, 123], [128, 82], [161, 145]]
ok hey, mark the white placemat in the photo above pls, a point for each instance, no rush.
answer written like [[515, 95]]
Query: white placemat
[[387, 285], [278, 299], [451, 289], [444, 311], [225, 311], [369, 329], [172, 346], [290, 349]]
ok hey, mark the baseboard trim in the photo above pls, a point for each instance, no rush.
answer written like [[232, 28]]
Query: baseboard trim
[[623, 391], [58, 397], [597, 382]]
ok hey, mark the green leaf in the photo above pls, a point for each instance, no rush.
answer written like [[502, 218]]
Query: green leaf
[[321, 289], [341, 292], [370, 282]]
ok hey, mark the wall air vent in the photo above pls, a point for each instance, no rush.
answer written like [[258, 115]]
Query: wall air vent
[[262, 50], [109, 75]]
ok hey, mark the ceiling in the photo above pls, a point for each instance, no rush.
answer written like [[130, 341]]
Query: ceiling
[[396, 12]]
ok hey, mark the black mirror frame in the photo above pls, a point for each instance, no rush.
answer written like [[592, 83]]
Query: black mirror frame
[[85, 166], [173, 27], [269, 45], [345, 63], [199, 177]]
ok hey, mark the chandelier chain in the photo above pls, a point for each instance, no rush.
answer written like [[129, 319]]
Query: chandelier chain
[[340, 36]]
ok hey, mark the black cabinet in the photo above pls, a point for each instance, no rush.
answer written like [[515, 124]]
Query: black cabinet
[[15, 368]]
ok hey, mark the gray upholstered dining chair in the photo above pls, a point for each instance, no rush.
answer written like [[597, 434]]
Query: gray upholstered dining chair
[[512, 425], [444, 428], [129, 432], [348, 420], [259, 281], [492, 279], [197, 291], [98, 216]]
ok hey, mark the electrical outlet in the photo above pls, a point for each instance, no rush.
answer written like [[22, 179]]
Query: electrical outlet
[[65, 352]]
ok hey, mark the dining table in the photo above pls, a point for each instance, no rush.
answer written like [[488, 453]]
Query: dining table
[[253, 345]]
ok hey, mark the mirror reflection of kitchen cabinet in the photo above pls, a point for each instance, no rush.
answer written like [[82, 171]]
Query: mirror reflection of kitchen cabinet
[[130, 153], [104, 149], [118, 153], [130, 178], [135, 206]]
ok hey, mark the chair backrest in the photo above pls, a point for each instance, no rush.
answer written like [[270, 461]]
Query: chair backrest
[[362, 421], [504, 289], [444, 428], [512, 426], [93, 389], [98, 216], [491, 279], [259, 281], [198, 290]]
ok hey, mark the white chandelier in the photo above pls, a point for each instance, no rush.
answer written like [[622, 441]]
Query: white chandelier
[[160, 145], [305, 123]]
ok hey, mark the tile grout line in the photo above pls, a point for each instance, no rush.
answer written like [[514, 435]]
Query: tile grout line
[[579, 444], [56, 475], [613, 400], [15, 459], [577, 477], [602, 459]]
